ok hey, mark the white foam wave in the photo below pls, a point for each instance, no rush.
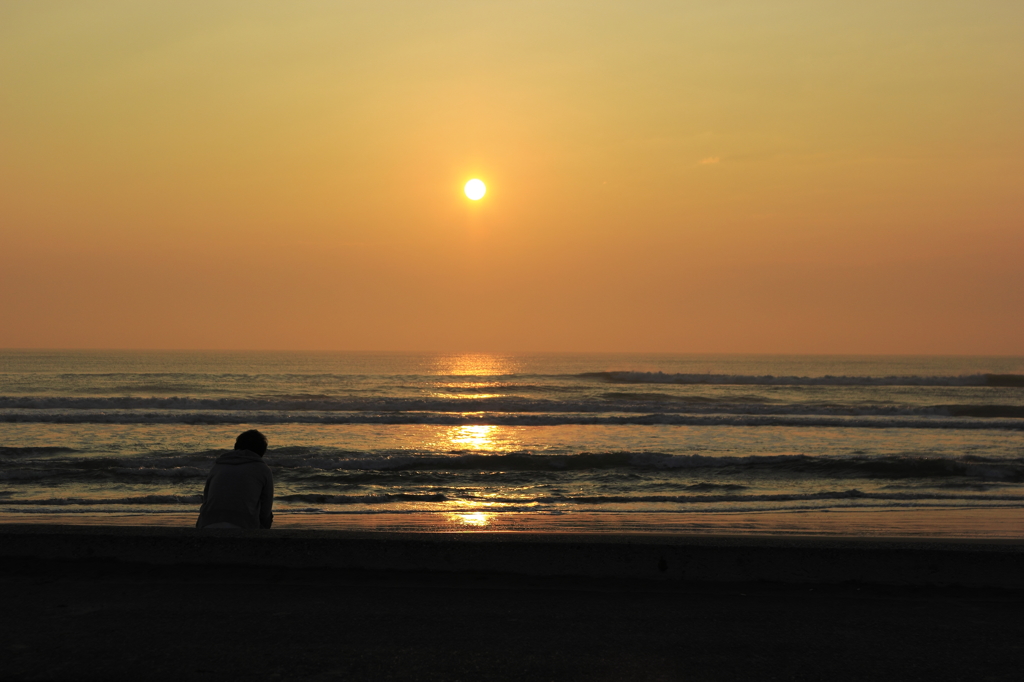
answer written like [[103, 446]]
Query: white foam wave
[[327, 469], [828, 380], [508, 419], [524, 502], [191, 500], [411, 409]]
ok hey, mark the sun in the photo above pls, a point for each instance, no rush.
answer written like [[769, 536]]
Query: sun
[[475, 189]]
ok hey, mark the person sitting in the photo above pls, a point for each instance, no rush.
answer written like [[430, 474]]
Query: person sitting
[[239, 491]]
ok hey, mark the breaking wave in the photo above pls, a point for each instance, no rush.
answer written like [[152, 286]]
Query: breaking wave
[[347, 468], [1004, 380], [384, 499], [191, 500], [989, 469], [41, 450], [1002, 417]]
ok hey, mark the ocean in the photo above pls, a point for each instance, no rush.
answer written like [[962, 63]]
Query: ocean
[[582, 442]]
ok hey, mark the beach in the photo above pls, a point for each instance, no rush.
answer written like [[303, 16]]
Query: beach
[[130, 602]]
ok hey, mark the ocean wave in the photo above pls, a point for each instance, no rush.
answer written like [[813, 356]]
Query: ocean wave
[[151, 466], [983, 411], [101, 501], [381, 498], [200, 381], [350, 467], [885, 420], [893, 467], [30, 408], [630, 397], [37, 450], [852, 494], [485, 386], [1002, 380], [158, 472], [527, 502], [76, 473]]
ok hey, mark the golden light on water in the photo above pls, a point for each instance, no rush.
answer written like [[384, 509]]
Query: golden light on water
[[475, 437], [475, 364], [481, 438], [475, 189], [468, 390], [475, 519], [484, 365]]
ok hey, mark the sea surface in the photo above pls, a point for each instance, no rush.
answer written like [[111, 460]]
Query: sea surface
[[478, 437]]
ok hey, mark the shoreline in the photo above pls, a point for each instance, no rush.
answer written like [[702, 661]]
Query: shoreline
[[807, 560], [948, 523]]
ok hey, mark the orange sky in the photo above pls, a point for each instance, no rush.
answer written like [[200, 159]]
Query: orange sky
[[803, 177]]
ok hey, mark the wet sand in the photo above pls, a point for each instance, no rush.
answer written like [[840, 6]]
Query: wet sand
[[931, 522], [135, 603]]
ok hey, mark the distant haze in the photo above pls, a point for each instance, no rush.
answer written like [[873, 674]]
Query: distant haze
[[785, 177]]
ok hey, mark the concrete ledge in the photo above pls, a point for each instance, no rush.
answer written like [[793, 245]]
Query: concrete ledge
[[987, 563]]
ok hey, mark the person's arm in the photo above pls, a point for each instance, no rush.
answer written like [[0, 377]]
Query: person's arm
[[206, 491], [267, 501]]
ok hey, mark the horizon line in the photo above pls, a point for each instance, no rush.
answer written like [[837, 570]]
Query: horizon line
[[501, 352]]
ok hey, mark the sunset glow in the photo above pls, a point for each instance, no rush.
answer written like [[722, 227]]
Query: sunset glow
[[762, 178]]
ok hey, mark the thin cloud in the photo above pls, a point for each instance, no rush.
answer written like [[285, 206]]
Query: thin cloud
[[710, 159]]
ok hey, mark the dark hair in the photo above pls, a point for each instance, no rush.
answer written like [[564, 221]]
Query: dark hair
[[253, 441]]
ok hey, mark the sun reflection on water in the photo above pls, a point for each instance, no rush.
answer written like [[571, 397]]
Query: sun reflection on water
[[473, 437], [474, 519], [475, 364], [481, 372], [469, 389], [476, 438]]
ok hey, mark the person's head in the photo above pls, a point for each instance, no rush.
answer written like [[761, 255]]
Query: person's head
[[253, 441]]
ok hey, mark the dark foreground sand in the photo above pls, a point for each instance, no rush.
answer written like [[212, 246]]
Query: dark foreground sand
[[177, 604]]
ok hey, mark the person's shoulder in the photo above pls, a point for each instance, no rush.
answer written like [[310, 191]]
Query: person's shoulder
[[257, 463]]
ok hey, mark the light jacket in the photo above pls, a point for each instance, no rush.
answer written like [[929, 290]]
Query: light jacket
[[239, 490]]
